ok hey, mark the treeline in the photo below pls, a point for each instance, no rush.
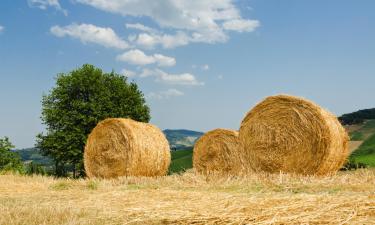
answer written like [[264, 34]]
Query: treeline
[[11, 161], [357, 117]]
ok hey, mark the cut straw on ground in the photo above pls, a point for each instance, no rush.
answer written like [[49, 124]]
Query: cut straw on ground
[[190, 198]]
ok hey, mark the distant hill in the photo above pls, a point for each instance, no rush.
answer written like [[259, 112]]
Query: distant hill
[[33, 155], [182, 139], [363, 136], [357, 117]]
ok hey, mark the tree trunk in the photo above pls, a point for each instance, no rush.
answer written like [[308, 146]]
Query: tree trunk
[[74, 171]]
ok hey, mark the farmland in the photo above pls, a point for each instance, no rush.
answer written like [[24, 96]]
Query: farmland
[[364, 134], [348, 197]]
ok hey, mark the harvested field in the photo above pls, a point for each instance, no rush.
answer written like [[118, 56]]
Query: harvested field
[[348, 197]]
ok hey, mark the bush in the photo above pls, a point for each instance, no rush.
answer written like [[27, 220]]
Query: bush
[[35, 168], [9, 160], [351, 164]]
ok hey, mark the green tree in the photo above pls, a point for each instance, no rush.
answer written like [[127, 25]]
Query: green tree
[[35, 168], [9, 160], [80, 99]]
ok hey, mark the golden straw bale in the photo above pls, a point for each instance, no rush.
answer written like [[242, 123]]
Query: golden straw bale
[[294, 135], [124, 147], [218, 151]]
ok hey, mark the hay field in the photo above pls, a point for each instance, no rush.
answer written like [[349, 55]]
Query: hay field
[[347, 198]]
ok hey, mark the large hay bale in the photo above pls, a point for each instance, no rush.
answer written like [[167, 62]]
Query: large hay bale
[[294, 135], [218, 151], [124, 147]]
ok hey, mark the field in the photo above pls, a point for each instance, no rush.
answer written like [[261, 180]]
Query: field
[[363, 136], [181, 161], [348, 197]]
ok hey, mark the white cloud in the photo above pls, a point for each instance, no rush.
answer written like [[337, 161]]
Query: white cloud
[[138, 57], [163, 60], [150, 40], [241, 25], [128, 73], [186, 79], [190, 21], [44, 4], [165, 94], [141, 27], [88, 33], [205, 67], [1, 29]]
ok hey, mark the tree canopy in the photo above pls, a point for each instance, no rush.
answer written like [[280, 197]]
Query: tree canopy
[[80, 99], [357, 117], [9, 160]]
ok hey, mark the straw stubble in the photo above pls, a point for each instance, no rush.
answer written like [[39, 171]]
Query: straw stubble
[[124, 147]]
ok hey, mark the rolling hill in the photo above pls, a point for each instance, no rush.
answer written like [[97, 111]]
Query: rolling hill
[[181, 139], [362, 136]]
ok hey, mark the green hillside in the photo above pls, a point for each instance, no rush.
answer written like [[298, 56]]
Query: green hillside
[[181, 139], [33, 155], [181, 161], [366, 151], [357, 117]]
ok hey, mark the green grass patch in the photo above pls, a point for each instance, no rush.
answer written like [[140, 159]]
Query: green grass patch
[[92, 185], [366, 152], [369, 160], [356, 136], [60, 186], [369, 126], [181, 161]]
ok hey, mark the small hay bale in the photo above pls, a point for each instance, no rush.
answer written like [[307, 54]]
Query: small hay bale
[[124, 147], [218, 151], [293, 135]]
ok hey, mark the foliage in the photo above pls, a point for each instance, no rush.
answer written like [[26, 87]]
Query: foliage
[[357, 117], [35, 168], [9, 160], [80, 99], [352, 164], [34, 155]]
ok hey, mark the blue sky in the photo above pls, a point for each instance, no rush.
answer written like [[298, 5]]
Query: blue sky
[[201, 64]]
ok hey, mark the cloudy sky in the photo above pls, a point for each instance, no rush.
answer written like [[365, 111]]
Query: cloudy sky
[[200, 63]]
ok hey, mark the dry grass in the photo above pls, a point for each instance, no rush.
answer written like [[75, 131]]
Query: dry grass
[[293, 135], [123, 147], [346, 198], [218, 151]]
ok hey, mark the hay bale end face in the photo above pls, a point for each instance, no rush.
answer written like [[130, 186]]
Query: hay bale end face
[[293, 135], [124, 147], [218, 151]]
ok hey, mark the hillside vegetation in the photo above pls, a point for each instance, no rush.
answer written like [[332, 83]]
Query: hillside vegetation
[[364, 134], [347, 197], [181, 161], [181, 139], [357, 117]]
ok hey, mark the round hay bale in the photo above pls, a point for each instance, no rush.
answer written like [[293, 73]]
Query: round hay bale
[[124, 147], [218, 151], [293, 135]]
